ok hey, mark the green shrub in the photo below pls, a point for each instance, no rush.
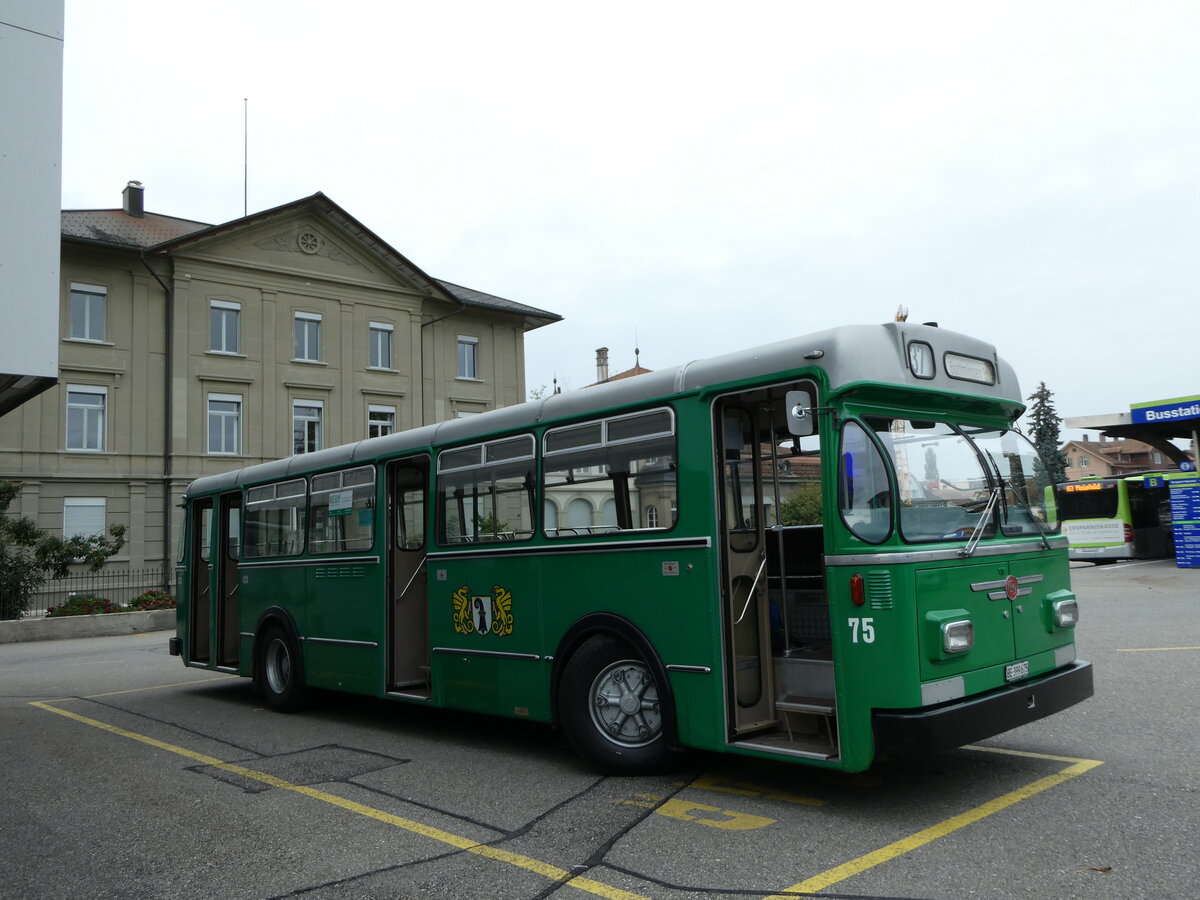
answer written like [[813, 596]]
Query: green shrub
[[83, 605], [153, 600]]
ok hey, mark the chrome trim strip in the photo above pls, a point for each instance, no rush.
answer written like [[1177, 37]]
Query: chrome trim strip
[[988, 585], [941, 555], [499, 548], [297, 561], [232, 670], [340, 643], [403, 696], [248, 634], [1003, 595], [703, 670], [1001, 582], [776, 750], [458, 651]]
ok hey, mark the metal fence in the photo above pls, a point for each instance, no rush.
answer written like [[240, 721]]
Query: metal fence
[[117, 586]]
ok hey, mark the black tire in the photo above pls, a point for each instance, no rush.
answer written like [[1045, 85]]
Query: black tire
[[609, 708], [280, 672]]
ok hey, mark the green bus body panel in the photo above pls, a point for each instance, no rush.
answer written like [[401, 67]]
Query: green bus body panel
[[889, 671]]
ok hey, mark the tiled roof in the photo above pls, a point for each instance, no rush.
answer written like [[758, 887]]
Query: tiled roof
[[472, 297], [117, 228]]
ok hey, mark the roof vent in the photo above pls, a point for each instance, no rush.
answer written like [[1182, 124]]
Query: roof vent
[[133, 199]]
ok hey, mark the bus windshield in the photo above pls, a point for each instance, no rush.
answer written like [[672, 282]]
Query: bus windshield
[[946, 477], [1024, 478], [940, 480]]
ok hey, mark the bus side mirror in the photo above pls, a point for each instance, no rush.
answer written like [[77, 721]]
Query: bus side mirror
[[800, 419]]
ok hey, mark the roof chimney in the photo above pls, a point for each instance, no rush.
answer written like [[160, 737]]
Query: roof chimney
[[601, 364], [133, 199]]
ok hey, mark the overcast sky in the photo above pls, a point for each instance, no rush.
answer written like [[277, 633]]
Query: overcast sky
[[692, 178]]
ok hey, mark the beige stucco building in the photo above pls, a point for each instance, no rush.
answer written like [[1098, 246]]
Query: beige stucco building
[[188, 349]]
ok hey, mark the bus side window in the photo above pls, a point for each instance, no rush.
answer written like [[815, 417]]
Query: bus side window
[[486, 492], [864, 492], [610, 475]]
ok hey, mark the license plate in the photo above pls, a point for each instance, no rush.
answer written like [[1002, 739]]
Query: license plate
[[1016, 671]]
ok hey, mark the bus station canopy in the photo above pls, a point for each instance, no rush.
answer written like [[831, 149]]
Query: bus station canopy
[[1156, 423]]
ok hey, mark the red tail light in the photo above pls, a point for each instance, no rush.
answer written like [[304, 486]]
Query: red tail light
[[857, 594], [1128, 533]]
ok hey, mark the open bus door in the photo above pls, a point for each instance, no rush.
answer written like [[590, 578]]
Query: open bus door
[[199, 640], [778, 648], [213, 610], [744, 556], [408, 612], [228, 535]]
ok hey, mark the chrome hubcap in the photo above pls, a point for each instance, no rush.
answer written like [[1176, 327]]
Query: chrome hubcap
[[625, 707]]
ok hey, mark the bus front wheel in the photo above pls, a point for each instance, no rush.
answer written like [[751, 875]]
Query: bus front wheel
[[609, 707], [279, 674]]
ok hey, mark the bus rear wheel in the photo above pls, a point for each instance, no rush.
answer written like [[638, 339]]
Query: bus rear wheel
[[280, 677], [610, 709]]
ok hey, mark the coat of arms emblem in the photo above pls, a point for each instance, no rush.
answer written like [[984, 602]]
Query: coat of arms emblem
[[483, 613]]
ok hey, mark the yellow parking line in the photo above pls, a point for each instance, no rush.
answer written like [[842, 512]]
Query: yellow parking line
[[155, 687], [551, 872], [927, 835]]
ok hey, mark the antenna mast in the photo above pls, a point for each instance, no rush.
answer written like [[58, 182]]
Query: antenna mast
[[245, 156]]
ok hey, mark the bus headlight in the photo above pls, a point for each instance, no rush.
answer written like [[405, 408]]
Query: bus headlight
[[958, 636], [1066, 613]]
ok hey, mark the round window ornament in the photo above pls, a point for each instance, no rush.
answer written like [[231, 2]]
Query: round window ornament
[[308, 242]]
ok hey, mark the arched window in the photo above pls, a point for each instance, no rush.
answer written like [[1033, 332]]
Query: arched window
[[579, 513]]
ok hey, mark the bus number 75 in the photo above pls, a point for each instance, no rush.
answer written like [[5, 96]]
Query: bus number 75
[[864, 626]]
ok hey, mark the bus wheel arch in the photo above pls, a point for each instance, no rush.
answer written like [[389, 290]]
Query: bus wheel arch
[[278, 662], [604, 657]]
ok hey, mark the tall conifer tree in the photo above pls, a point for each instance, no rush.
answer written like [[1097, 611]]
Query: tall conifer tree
[[1043, 427]]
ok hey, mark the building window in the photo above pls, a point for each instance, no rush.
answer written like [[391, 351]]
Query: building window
[[308, 337], [468, 352], [1083, 462], [224, 424], [89, 305], [306, 425], [224, 326], [381, 420], [86, 409], [381, 345], [83, 516]]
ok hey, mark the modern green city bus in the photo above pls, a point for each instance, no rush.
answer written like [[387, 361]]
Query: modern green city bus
[[821, 550], [1123, 517]]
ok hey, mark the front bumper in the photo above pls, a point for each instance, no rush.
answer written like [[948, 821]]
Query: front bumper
[[917, 732]]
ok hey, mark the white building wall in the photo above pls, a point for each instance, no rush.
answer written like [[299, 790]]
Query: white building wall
[[31, 67]]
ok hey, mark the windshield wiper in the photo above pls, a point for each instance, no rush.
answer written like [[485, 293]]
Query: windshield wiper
[[969, 549], [1032, 518]]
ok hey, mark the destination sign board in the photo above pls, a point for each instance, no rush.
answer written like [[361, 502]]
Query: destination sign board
[[1089, 486]]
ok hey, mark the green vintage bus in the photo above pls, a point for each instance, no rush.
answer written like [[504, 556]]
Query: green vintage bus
[[819, 550]]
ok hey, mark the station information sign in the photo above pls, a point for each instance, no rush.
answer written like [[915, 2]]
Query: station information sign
[[1165, 410], [1185, 521]]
